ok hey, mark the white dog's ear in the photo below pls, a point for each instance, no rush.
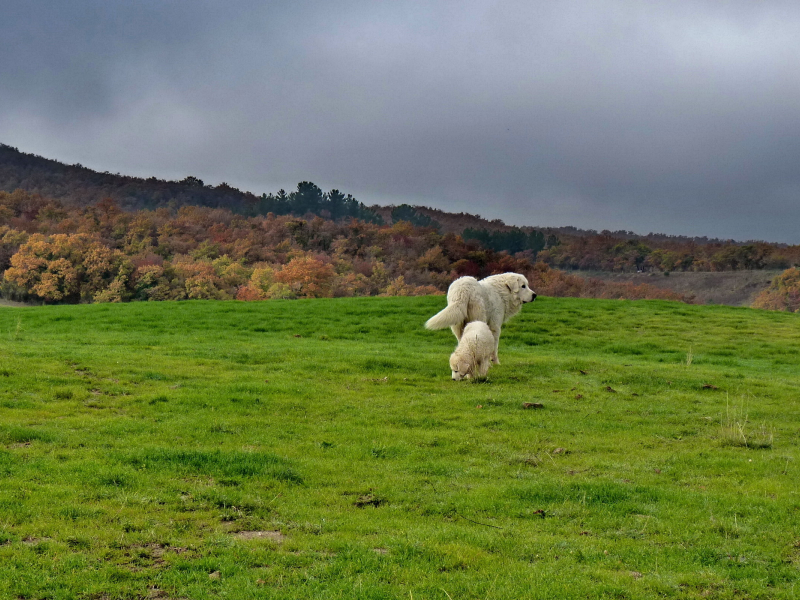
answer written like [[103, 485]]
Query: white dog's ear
[[513, 286]]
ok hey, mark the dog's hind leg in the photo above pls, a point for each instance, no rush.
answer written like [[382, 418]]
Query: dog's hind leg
[[496, 335]]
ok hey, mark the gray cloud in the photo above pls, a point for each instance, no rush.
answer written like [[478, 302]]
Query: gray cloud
[[670, 117]]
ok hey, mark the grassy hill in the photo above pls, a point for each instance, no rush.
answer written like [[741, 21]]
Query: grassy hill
[[319, 449]]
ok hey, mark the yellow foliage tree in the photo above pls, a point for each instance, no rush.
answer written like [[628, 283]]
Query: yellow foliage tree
[[262, 278], [68, 267], [199, 279]]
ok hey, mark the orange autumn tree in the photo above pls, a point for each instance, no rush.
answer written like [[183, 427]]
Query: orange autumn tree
[[308, 277], [782, 294], [69, 268]]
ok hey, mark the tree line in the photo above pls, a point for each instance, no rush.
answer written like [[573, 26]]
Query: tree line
[[565, 248], [56, 253]]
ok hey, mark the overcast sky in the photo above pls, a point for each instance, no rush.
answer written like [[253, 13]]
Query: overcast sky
[[678, 117]]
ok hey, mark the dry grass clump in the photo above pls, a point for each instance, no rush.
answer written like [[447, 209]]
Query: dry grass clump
[[737, 430]]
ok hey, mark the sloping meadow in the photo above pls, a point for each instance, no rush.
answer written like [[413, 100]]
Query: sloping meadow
[[319, 449]]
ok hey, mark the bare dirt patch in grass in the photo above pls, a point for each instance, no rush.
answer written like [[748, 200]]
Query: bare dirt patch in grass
[[275, 536]]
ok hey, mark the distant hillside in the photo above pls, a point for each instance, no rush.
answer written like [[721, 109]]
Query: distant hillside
[[569, 248], [71, 234], [458, 222], [76, 185], [449, 222]]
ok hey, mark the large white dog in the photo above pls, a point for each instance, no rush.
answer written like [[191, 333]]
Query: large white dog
[[473, 355], [493, 300]]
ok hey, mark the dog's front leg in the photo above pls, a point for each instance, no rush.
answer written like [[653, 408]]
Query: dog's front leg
[[483, 368]]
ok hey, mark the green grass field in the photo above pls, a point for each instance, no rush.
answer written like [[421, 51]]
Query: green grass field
[[319, 449]]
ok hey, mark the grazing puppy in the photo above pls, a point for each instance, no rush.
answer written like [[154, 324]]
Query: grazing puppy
[[493, 300], [473, 355]]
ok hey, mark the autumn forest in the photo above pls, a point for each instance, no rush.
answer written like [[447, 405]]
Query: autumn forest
[[69, 234]]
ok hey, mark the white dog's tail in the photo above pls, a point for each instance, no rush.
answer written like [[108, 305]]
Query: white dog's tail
[[452, 314]]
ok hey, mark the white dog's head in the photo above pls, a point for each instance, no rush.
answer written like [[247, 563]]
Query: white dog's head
[[461, 366], [519, 288]]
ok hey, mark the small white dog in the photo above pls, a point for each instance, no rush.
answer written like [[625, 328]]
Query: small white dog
[[493, 300], [473, 355]]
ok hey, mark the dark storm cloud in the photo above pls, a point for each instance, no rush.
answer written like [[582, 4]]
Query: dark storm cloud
[[672, 117]]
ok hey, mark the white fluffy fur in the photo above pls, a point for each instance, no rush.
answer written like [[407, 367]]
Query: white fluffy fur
[[473, 355], [493, 300]]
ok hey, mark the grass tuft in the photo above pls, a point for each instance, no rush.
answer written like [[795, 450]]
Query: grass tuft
[[736, 430], [10, 434], [214, 463]]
